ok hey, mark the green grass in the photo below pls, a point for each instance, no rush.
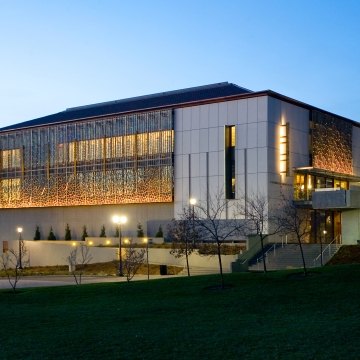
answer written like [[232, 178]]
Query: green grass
[[273, 316]]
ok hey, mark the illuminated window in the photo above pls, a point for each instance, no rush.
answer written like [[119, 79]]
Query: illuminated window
[[230, 180], [284, 149], [10, 190], [10, 159]]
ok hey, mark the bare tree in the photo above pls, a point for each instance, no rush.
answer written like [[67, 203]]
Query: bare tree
[[183, 236], [78, 259], [213, 224], [134, 258], [296, 221], [13, 261], [260, 219]]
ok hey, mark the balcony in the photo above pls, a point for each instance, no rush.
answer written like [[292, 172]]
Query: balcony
[[330, 198]]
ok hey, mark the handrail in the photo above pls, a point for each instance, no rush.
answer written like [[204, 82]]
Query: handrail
[[328, 246], [259, 259]]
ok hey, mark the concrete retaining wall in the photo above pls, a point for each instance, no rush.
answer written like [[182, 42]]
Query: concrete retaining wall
[[48, 253]]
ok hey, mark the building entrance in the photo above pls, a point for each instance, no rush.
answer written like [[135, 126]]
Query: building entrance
[[325, 226]]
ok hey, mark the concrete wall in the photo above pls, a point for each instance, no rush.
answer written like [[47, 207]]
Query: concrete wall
[[298, 119], [47, 253], [91, 216], [350, 226], [199, 130]]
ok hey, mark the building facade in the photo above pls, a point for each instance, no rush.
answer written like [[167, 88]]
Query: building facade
[[147, 156]]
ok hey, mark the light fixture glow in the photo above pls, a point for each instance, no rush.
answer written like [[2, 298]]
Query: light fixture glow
[[193, 201], [120, 220], [19, 229], [284, 148]]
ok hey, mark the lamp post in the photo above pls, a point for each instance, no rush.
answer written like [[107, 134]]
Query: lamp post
[[120, 220], [19, 230], [193, 202], [321, 254], [146, 241]]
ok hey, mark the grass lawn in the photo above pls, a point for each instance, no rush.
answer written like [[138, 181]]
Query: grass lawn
[[273, 316]]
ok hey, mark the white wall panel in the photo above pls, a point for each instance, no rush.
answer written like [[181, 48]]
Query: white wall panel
[[222, 164], [185, 166], [178, 189], [223, 114], [186, 142], [204, 116], [262, 183], [195, 165], [204, 140], [178, 142], [213, 115], [178, 124], [273, 133], [240, 161], [262, 155], [241, 136], [202, 165], [240, 186], [242, 111], [252, 187], [195, 117], [252, 135], [178, 164], [262, 134], [213, 139], [213, 163], [252, 110], [252, 161], [232, 113], [195, 146], [262, 108], [186, 119]]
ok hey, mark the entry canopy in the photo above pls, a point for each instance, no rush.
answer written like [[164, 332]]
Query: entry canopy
[[326, 173]]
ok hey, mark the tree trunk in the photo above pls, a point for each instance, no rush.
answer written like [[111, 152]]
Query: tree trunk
[[302, 257], [220, 265], [263, 254], [187, 258]]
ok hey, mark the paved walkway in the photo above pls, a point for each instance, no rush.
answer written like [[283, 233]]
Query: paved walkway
[[57, 280]]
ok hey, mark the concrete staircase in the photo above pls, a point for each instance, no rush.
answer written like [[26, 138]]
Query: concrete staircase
[[280, 257]]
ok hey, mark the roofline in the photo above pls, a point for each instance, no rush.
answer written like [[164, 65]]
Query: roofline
[[269, 93]]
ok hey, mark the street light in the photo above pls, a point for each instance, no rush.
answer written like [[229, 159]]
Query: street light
[[146, 241], [193, 202], [120, 220], [19, 230], [321, 254]]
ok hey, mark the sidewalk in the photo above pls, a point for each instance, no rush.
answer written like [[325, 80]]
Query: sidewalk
[[60, 280]]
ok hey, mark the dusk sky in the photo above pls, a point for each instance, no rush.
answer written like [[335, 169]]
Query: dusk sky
[[64, 53]]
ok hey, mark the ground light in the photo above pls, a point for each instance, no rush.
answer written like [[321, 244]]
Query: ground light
[[20, 230], [146, 241], [120, 220]]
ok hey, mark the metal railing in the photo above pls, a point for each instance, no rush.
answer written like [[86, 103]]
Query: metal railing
[[328, 248], [265, 255]]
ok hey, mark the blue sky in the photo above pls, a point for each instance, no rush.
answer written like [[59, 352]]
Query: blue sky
[[63, 53]]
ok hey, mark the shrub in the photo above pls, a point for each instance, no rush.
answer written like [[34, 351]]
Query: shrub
[[117, 231], [84, 233], [51, 235], [159, 233], [140, 231], [102, 232], [67, 233], [37, 235]]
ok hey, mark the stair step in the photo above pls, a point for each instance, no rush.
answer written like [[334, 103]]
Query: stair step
[[289, 256]]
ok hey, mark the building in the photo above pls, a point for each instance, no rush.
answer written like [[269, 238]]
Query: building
[[147, 156]]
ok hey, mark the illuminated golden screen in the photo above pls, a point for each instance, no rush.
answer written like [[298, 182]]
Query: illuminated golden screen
[[116, 160]]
